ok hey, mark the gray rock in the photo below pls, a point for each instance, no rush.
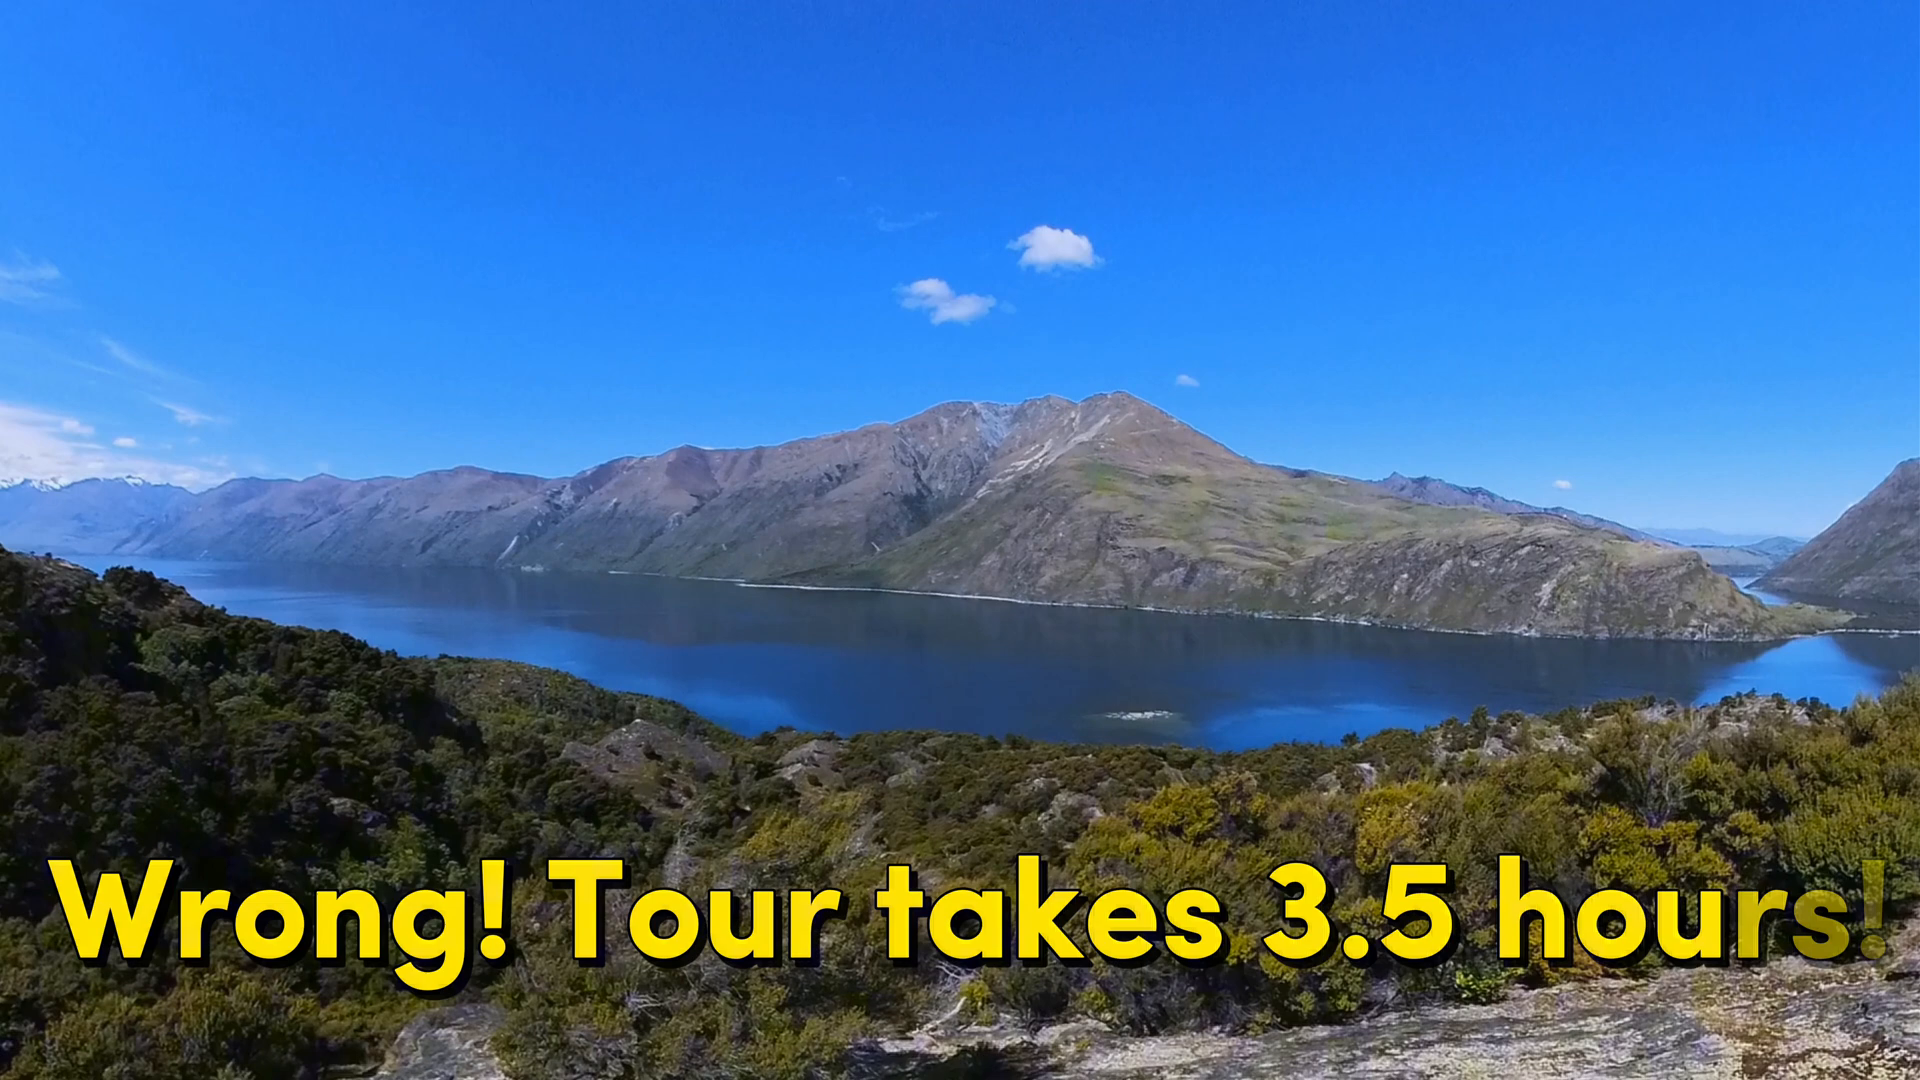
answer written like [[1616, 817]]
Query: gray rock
[[1069, 813], [1035, 790], [629, 750], [906, 771], [357, 812], [1786, 1021], [446, 1044], [811, 764]]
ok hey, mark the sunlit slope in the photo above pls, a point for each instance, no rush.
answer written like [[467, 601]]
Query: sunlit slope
[[1108, 501], [1145, 511]]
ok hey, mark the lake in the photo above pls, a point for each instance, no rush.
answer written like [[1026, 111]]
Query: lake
[[757, 658]]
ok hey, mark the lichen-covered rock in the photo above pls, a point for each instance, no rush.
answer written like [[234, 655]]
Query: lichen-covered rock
[[1069, 813], [446, 1044], [811, 764], [632, 753]]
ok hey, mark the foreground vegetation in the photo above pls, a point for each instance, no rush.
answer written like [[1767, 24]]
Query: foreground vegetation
[[139, 724]]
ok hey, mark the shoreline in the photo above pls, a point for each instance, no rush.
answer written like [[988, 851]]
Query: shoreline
[[1336, 620]]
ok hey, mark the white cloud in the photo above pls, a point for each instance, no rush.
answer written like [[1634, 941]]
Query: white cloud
[[126, 442], [1044, 247], [24, 281], [39, 445], [942, 304], [1185, 380], [187, 415], [134, 360], [1563, 485]]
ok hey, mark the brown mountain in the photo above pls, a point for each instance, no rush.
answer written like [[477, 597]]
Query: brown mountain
[[1871, 554], [1105, 501]]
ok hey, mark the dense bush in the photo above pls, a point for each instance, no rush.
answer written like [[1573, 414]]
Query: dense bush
[[139, 724]]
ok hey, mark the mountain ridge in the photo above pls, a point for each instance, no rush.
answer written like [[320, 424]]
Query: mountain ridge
[[1108, 501], [1437, 492], [1747, 559]]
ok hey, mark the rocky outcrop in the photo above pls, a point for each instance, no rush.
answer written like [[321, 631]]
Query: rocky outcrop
[[1872, 554], [1788, 1020], [446, 1044]]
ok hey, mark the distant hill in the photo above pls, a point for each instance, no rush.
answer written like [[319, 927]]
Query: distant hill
[[1749, 559], [1436, 492], [1744, 559], [1778, 546], [1104, 501], [1871, 554], [1713, 537], [89, 517]]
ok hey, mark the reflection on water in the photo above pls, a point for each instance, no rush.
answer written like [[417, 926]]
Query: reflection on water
[[757, 658]]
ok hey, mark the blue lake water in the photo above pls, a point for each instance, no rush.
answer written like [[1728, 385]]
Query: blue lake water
[[757, 658]]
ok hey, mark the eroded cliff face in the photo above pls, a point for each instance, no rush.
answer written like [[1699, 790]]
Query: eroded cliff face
[[1871, 554], [1104, 501]]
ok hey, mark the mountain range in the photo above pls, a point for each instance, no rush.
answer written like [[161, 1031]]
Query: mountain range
[[88, 516], [1109, 500]]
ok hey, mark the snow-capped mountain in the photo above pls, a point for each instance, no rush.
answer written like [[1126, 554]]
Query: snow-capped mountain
[[92, 516]]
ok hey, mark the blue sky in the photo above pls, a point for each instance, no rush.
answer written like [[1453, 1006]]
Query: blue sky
[[1668, 255]]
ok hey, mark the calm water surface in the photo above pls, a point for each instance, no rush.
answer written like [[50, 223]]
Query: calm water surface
[[758, 658]]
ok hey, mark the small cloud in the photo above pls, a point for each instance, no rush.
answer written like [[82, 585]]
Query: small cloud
[[183, 414], [942, 304], [1044, 247], [1563, 485], [1185, 380], [886, 223], [126, 442], [70, 426], [25, 281], [130, 359]]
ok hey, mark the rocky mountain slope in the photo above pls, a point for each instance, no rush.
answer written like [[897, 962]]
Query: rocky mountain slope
[[1871, 554], [1104, 501]]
